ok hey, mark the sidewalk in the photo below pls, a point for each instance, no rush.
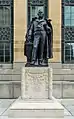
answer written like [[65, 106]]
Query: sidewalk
[[67, 103]]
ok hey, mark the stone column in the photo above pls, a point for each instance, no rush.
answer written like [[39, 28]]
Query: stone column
[[20, 28], [54, 13]]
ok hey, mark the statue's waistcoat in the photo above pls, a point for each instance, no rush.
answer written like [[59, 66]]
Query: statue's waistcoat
[[39, 25]]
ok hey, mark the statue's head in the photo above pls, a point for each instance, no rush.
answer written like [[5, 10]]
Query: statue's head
[[40, 14]]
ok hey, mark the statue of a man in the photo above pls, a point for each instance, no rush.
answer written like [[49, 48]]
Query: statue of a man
[[38, 35]]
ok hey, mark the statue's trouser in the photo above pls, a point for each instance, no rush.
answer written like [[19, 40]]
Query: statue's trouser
[[38, 40]]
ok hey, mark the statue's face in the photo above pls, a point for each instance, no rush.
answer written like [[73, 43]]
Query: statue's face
[[40, 14]]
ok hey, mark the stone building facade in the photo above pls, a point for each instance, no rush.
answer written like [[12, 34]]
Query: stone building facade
[[15, 20]]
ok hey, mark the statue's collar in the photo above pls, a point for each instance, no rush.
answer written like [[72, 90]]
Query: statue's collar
[[40, 20]]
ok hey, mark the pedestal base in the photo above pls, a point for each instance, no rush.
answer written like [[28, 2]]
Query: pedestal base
[[36, 92], [36, 109]]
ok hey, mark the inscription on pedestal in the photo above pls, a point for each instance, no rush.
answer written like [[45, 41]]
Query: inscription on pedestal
[[36, 82]]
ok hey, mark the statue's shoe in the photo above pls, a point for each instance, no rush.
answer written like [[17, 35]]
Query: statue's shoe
[[33, 63], [43, 64]]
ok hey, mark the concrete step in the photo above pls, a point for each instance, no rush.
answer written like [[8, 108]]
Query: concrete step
[[33, 118], [36, 109]]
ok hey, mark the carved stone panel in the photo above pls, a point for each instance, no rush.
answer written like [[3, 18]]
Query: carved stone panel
[[35, 83]]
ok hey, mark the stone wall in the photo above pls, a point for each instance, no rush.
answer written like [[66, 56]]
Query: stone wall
[[63, 81]]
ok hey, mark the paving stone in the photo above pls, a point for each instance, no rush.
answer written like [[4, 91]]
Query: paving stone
[[4, 117], [67, 102], [6, 112], [69, 117], [2, 110], [66, 112], [6, 103], [71, 109]]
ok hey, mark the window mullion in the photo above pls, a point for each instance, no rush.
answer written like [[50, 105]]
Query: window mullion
[[64, 53], [6, 30], [68, 32], [4, 52]]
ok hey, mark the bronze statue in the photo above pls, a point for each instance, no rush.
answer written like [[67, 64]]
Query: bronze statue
[[38, 44]]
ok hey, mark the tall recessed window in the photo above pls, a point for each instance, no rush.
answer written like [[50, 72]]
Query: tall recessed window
[[34, 6], [6, 31], [68, 31]]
